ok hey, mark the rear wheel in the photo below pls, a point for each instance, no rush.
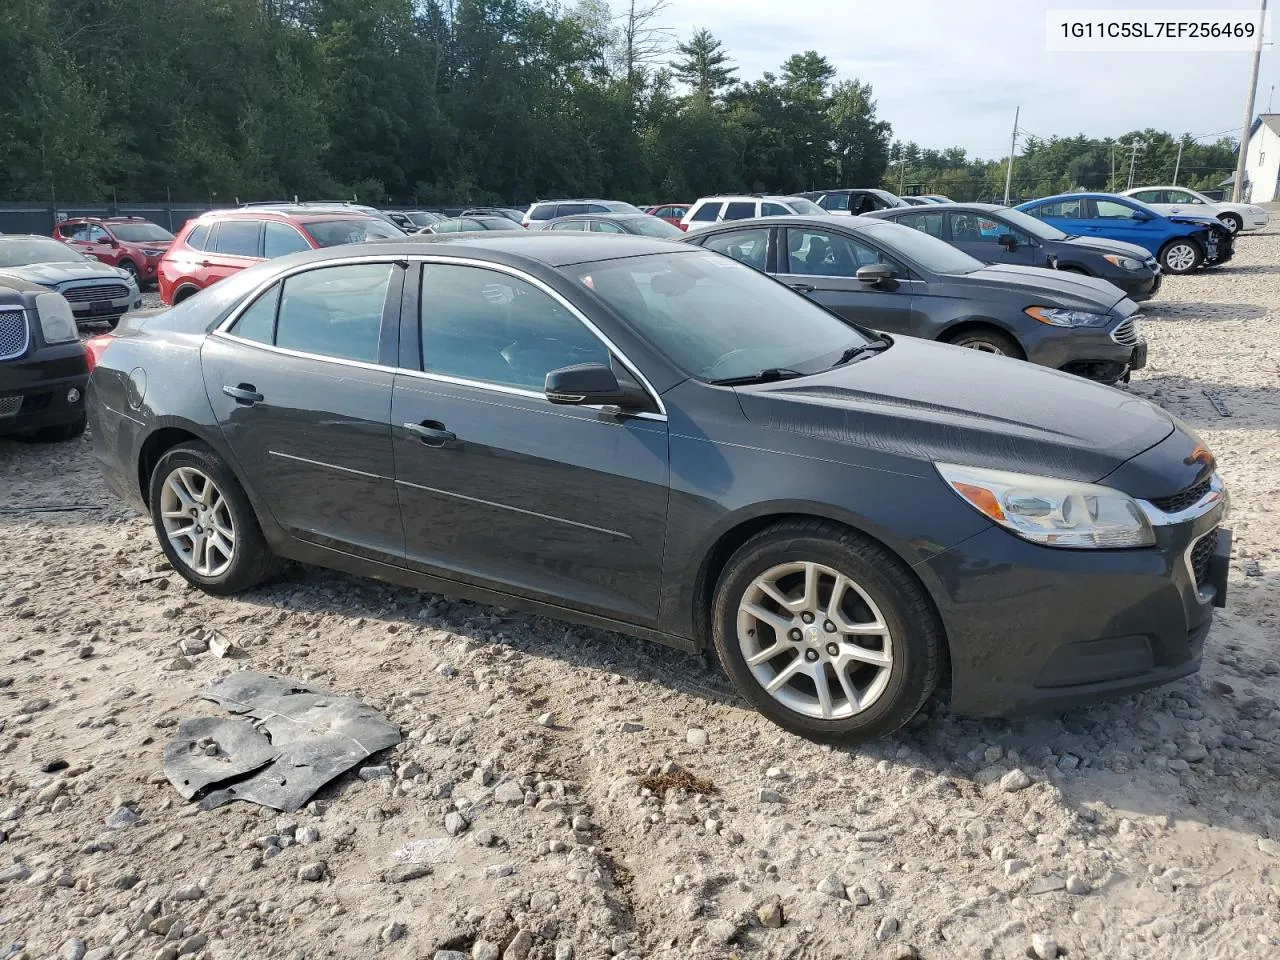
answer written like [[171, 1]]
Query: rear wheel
[[986, 340], [826, 633], [1181, 256], [1233, 221], [205, 524]]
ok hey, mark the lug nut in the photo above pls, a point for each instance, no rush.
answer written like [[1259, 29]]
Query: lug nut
[[833, 650], [807, 617], [829, 627], [795, 634], [811, 655]]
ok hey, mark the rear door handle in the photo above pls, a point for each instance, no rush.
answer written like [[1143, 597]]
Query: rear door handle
[[431, 432], [244, 393], [803, 287]]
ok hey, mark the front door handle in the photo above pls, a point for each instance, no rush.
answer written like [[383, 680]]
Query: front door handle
[[431, 432], [246, 394], [803, 287]]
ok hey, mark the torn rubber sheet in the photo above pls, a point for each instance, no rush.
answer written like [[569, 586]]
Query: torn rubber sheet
[[288, 741]]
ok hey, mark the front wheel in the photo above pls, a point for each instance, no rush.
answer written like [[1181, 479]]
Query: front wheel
[[826, 633], [1232, 221], [1181, 256], [131, 268], [986, 341], [205, 524]]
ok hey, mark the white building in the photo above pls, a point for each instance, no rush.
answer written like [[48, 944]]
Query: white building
[[1262, 162]]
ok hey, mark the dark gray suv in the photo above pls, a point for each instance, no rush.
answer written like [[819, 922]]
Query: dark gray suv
[[893, 278]]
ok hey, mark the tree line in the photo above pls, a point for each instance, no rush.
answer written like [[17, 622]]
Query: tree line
[[437, 102]]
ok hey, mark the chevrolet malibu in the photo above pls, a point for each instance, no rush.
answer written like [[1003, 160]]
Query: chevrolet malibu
[[653, 439]]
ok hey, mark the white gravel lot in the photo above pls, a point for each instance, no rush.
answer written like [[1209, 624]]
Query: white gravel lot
[[1143, 827]]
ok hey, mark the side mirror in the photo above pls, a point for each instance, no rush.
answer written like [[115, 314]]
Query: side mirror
[[874, 274], [587, 384], [1141, 217], [1008, 241]]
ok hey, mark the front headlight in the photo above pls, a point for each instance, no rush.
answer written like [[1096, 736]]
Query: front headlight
[[1054, 513], [1124, 263], [1067, 318], [57, 325]]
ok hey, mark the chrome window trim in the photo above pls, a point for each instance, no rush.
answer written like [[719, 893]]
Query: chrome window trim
[[1217, 494], [221, 330]]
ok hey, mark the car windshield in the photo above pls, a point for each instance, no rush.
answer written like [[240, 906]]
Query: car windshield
[[618, 206], [715, 318], [921, 249], [891, 199], [421, 219], [653, 227], [806, 207], [1029, 224], [141, 232], [23, 251], [331, 233]]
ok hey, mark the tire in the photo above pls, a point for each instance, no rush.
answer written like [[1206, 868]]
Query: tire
[[987, 340], [62, 432], [226, 510], [1181, 255], [1233, 221], [881, 591], [132, 269]]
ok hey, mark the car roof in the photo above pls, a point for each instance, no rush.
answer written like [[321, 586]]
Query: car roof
[[1091, 195], [1161, 186], [548, 247], [106, 220], [892, 212], [620, 215], [295, 214], [825, 222]]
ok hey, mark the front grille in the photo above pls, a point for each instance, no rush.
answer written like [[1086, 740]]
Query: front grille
[[97, 291], [1184, 498], [1202, 555], [1127, 333], [14, 334], [9, 406]]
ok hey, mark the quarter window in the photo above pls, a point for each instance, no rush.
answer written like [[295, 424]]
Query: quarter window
[[238, 238], [818, 253], [258, 323], [335, 311], [480, 324], [281, 239], [197, 237], [746, 246]]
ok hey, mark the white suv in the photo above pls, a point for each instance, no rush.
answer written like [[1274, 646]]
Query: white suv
[[539, 213], [712, 210]]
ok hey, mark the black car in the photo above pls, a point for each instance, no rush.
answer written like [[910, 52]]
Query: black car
[[997, 234], [98, 292], [470, 225], [43, 369], [856, 201], [653, 439], [640, 224], [889, 277]]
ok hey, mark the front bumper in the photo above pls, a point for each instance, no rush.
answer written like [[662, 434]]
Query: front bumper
[[1092, 353], [1137, 285], [1219, 249], [1034, 627], [36, 391]]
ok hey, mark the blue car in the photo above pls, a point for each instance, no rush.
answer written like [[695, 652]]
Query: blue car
[[1181, 242]]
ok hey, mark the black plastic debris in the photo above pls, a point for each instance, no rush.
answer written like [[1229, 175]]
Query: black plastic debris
[[290, 740]]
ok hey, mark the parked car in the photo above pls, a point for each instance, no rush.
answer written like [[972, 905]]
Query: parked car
[[133, 244], [854, 202], [327, 206], [712, 210], [217, 244], [673, 213], [411, 221], [540, 212], [1171, 200], [641, 224], [1181, 242], [97, 292], [914, 202], [885, 276], [42, 364], [996, 234], [509, 212], [674, 446], [470, 225]]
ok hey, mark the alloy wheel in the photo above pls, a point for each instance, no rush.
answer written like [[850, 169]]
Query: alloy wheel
[[197, 521], [1180, 258], [982, 346], [814, 640]]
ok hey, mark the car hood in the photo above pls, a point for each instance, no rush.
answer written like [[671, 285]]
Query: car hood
[[47, 274], [934, 402], [1103, 245], [1045, 287]]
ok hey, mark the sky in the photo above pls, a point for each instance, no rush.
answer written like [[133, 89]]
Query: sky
[[951, 72]]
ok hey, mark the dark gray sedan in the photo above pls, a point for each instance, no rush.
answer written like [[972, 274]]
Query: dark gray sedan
[[889, 277], [996, 234], [652, 439], [640, 224]]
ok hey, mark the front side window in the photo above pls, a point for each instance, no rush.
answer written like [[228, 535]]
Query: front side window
[[975, 228], [575, 226], [281, 239], [334, 311], [98, 235], [472, 226], [488, 326], [706, 213], [740, 210], [1179, 196], [238, 238], [1153, 196], [746, 246], [141, 232], [930, 223], [604, 226], [920, 249], [1111, 210], [835, 201], [820, 253]]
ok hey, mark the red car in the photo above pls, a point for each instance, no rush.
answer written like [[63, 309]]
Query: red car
[[131, 243], [217, 244], [673, 213]]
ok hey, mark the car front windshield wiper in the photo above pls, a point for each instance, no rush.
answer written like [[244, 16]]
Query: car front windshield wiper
[[768, 375], [862, 350]]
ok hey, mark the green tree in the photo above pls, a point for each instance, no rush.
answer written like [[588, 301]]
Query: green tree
[[704, 66]]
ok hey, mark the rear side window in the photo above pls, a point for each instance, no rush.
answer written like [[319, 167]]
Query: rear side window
[[258, 323], [773, 210], [930, 223], [706, 213], [573, 209], [746, 246], [568, 226], [281, 239], [740, 210], [335, 311], [196, 238], [238, 238], [1066, 209], [1151, 196]]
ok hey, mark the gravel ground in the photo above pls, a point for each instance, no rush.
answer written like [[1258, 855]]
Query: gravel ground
[[540, 805]]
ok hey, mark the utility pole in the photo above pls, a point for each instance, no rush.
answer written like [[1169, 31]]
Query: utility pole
[[1136, 148], [1013, 142], [1177, 164], [1237, 191], [1111, 184], [902, 168]]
